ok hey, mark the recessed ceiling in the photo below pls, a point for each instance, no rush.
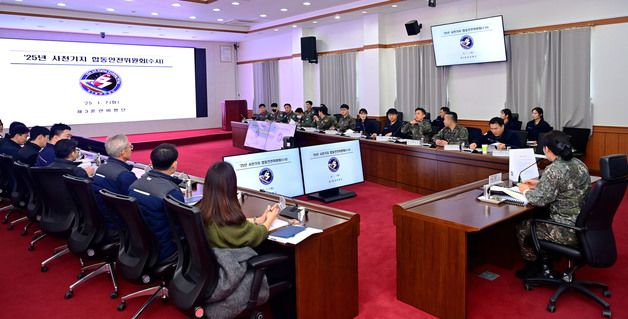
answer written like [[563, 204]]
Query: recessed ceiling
[[220, 20]]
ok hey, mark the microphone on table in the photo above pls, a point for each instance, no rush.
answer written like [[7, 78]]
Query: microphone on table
[[525, 169]]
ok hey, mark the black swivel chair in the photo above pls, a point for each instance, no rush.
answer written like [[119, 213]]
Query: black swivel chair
[[428, 116], [57, 217], [139, 252], [594, 229], [579, 138], [197, 274], [13, 191], [474, 134], [522, 137], [89, 239], [31, 198]]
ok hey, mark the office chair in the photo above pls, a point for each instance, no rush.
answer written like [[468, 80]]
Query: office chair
[[89, 239], [594, 229], [522, 137], [10, 187], [197, 275], [579, 138], [428, 116], [32, 204], [139, 252], [337, 116], [475, 134], [400, 116], [515, 117], [59, 211]]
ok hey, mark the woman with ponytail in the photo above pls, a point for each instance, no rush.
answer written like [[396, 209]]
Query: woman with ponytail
[[563, 188]]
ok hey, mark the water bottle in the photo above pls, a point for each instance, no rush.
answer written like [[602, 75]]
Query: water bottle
[[98, 160], [188, 188]]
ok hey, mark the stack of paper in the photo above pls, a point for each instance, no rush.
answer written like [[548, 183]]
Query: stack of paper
[[299, 237]]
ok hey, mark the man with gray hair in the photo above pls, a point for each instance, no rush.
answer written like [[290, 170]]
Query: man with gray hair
[[116, 176]]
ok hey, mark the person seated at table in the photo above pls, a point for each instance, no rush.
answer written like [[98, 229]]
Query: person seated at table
[[229, 232], [439, 121], [287, 115], [346, 121], [419, 127], [323, 120], [151, 189], [58, 132], [365, 125], [509, 123], [537, 125], [308, 116], [274, 115], [18, 134], [263, 113], [393, 125], [116, 176], [66, 154], [1, 132], [452, 133], [38, 139], [563, 187], [498, 135]]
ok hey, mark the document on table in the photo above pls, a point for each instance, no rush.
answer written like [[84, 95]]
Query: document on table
[[309, 231], [278, 223]]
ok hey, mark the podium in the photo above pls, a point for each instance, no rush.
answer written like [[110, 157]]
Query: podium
[[232, 110]]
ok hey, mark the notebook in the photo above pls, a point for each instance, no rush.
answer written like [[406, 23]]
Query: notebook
[[288, 231], [510, 195]]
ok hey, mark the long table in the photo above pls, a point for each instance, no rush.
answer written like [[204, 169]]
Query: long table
[[440, 235], [417, 169]]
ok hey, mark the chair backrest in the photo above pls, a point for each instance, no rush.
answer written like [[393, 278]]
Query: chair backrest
[[59, 209], [579, 138], [517, 125], [596, 216], [538, 149], [400, 116], [428, 116], [89, 228], [474, 134], [337, 116], [515, 117], [138, 247], [31, 199], [522, 137], [9, 184], [196, 275]]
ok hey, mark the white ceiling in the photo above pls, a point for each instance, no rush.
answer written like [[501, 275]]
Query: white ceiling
[[160, 19]]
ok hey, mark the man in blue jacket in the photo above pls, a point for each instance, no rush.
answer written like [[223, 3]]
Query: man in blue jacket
[[115, 176], [58, 132], [151, 189]]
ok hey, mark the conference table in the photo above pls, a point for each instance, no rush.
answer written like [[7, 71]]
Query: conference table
[[324, 266], [417, 169]]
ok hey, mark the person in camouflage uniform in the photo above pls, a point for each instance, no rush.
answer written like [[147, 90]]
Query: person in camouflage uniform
[[452, 133], [263, 113], [346, 121], [563, 187], [323, 120], [308, 116], [285, 117], [274, 115], [419, 127]]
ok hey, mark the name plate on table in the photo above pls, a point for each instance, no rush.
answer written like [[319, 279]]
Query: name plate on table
[[413, 142], [310, 129], [452, 147], [501, 153], [382, 138], [331, 132], [354, 134]]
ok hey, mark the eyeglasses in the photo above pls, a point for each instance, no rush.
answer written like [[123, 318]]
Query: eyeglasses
[[130, 146]]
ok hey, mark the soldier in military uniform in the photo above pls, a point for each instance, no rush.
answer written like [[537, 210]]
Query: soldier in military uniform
[[274, 114], [308, 116], [323, 120], [563, 187], [263, 113], [346, 121], [285, 117], [419, 127], [452, 133]]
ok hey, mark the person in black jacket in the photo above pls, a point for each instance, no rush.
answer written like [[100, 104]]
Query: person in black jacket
[[364, 125], [12, 143], [497, 134], [66, 154], [537, 125], [38, 139], [439, 121], [509, 122], [393, 125]]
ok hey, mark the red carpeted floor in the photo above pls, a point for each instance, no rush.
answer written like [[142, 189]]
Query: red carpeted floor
[[25, 292], [161, 136]]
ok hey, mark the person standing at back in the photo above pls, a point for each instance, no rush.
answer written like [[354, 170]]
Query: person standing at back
[[150, 191], [38, 139], [115, 175], [58, 132]]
